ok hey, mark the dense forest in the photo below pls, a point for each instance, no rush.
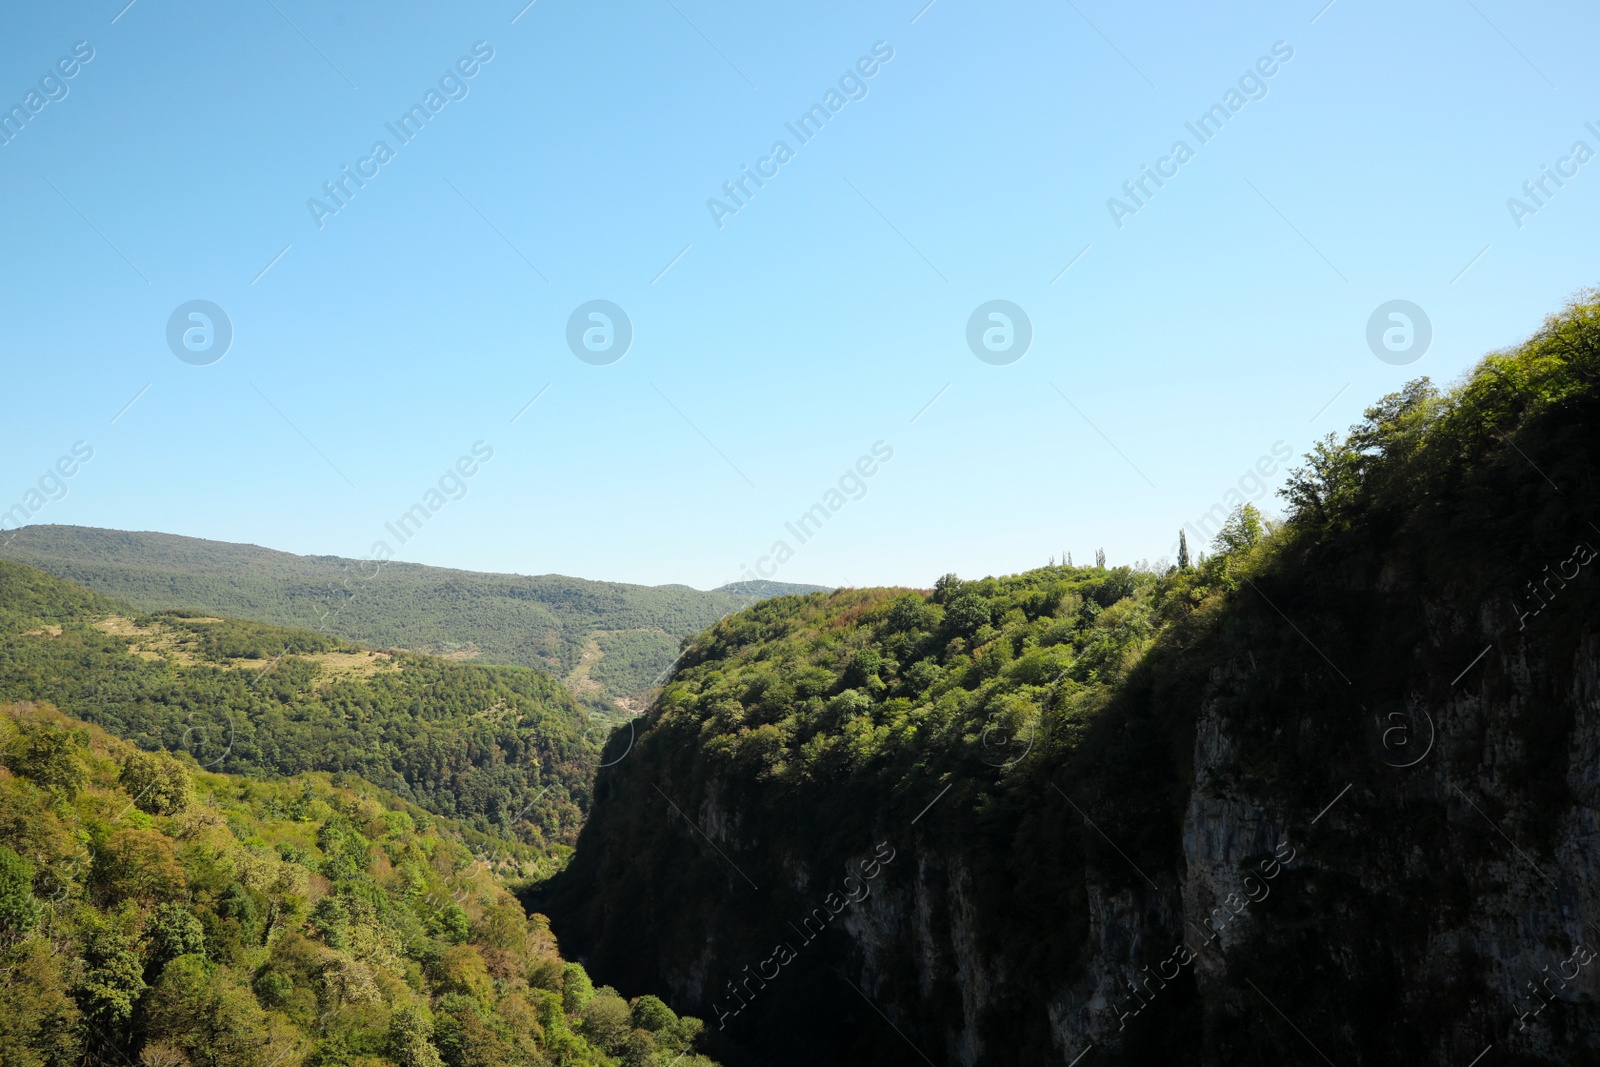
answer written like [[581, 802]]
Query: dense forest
[[805, 732], [1073, 767], [504, 749], [155, 914], [546, 621]]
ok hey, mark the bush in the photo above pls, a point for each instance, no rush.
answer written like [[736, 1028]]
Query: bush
[[139, 865], [461, 970], [158, 783], [909, 613], [19, 911], [922, 675], [864, 667], [848, 705], [409, 1044], [967, 612], [607, 1020], [452, 924], [53, 758], [576, 989], [651, 1013], [330, 921], [172, 932], [273, 988]]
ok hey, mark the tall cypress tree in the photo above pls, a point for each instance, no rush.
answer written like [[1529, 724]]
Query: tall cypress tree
[[1183, 551]]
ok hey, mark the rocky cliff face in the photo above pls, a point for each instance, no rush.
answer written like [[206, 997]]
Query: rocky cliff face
[[1358, 876], [1436, 897], [1345, 808]]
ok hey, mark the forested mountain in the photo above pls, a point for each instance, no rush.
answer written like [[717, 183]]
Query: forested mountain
[[1332, 795], [158, 915], [505, 749], [608, 640]]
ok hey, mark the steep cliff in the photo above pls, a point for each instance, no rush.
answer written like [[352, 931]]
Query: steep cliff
[[1328, 797]]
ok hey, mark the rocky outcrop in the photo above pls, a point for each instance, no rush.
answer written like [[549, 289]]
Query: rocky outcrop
[[1346, 813], [1354, 875]]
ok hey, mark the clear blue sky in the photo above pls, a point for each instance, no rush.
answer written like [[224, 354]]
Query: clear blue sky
[[1227, 314]]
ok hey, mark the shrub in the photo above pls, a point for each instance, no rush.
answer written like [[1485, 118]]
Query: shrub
[[141, 865], [19, 911], [607, 1020], [651, 1013], [158, 783], [330, 921], [576, 989], [53, 758], [172, 932], [967, 612]]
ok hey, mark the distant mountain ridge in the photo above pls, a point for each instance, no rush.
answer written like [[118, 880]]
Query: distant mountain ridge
[[609, 640], [504, 750]]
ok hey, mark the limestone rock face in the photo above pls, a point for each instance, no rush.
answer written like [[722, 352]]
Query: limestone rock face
[[1375, 846]]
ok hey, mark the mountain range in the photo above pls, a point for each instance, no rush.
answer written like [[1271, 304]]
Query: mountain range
[[606, 640]]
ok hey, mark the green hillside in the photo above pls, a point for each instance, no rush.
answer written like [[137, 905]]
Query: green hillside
[[1387, 704], [822, 726], [155, 914], [608, 640], [504, 749]]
